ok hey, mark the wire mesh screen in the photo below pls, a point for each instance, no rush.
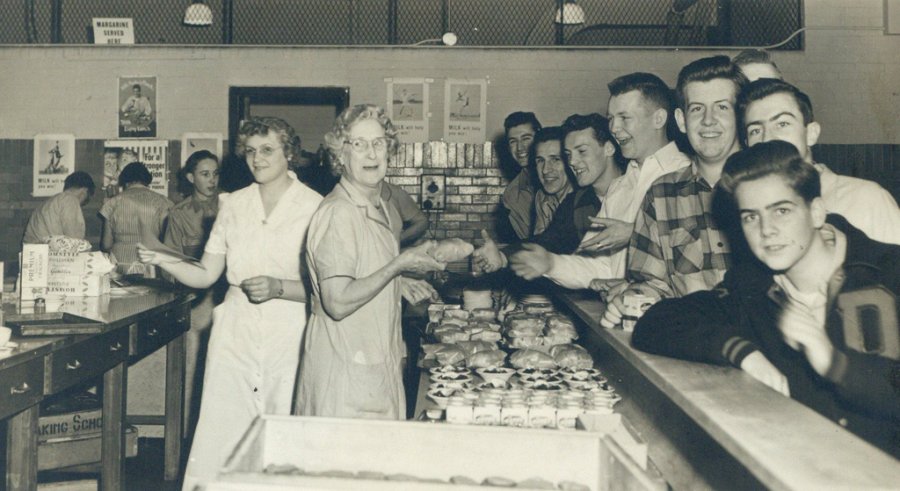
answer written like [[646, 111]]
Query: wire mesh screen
[[403, 22]]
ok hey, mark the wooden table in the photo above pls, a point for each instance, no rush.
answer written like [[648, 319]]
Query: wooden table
[[129, 328], [711, 427]]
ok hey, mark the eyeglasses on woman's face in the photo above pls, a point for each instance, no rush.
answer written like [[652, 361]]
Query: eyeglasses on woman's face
[[361, 145], [264, 151]]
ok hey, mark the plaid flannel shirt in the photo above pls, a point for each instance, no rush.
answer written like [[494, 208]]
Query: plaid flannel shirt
[[676, 247]]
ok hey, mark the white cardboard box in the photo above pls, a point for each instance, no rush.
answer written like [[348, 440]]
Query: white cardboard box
[[85, 285], [424, 450]]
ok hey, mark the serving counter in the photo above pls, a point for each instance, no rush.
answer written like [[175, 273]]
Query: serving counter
[[715, 427], [112, 332]]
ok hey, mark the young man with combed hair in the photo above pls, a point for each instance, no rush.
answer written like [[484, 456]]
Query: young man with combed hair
[[815, 318], [772, 109]]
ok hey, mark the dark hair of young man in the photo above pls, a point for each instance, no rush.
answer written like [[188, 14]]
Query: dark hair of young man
[[764, 87], [519, 118], [545, 134], [774, 157], [135, 172], [749, 56], [600, 125], [651, 87], [79, 180], [706, 69]]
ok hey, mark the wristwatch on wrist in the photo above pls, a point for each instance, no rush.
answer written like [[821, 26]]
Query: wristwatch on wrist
[[280, 289]]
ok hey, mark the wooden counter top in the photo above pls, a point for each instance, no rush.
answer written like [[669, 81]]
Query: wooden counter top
[[781, 443]]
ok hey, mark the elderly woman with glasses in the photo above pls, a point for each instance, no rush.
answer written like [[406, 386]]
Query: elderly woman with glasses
[[351, 360], [254, 345]]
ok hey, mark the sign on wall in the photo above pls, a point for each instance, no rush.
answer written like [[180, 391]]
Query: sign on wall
[[465, 109], [137, 107], [407, 106], [194, 142], [54, 160], [109, 30], [118, 153]]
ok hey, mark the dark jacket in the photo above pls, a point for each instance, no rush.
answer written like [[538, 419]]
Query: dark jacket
[[723, 326]]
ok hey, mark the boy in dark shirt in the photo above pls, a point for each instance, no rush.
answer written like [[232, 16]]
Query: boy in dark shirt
[[815, 317]]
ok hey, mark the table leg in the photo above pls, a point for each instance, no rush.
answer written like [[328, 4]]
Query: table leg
[[112, 460], [175, 353], [21, 450]]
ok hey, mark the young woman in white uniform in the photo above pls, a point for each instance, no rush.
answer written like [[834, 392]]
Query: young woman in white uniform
[[255, 341]]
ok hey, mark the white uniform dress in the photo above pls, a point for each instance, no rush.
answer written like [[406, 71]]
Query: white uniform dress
[[253, 349], [351, 367]]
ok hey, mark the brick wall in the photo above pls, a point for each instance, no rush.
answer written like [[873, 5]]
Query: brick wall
[[474, 183]]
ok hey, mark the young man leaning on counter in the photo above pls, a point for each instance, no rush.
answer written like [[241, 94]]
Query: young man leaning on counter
[[815, 318], [679, 245]]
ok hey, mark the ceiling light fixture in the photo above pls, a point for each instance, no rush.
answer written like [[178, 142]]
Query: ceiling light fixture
[[198, 14], [570, 14]]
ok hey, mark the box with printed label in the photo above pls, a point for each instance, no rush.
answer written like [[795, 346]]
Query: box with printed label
[[79, 285], [81, 263]]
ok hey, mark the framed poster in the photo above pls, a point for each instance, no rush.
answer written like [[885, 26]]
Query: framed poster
[[137, 98], [194, 142], [465, 104], [118, 154], [407, 106], [54, 160]]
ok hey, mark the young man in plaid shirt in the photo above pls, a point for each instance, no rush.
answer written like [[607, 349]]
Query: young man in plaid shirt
[[677, 246]]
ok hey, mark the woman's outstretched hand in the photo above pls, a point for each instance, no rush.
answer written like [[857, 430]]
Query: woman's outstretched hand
[[417, 260]]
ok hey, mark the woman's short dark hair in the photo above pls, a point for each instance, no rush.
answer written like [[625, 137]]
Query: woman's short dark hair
[[135, 172], [774, 157], [261, 126]]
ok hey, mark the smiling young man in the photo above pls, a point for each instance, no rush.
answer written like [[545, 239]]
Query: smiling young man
[[547, 163], [677, 247], [516, 220], [815, 318], [639, 108], [772, 109]]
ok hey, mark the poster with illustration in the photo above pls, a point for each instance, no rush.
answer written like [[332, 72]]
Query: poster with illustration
[[117, 154], [465, 104], [137, 107], [54, 160], [408, 108], [195, 142]]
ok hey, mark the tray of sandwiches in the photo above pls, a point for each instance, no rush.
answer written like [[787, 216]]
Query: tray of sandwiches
[[518, 368]]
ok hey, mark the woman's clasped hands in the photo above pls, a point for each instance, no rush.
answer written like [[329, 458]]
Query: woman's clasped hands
[[261, 289]]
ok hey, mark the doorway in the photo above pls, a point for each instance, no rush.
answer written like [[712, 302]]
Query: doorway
[[309, 110]]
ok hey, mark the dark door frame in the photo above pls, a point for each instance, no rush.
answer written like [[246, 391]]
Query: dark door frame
[[240, 99]]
